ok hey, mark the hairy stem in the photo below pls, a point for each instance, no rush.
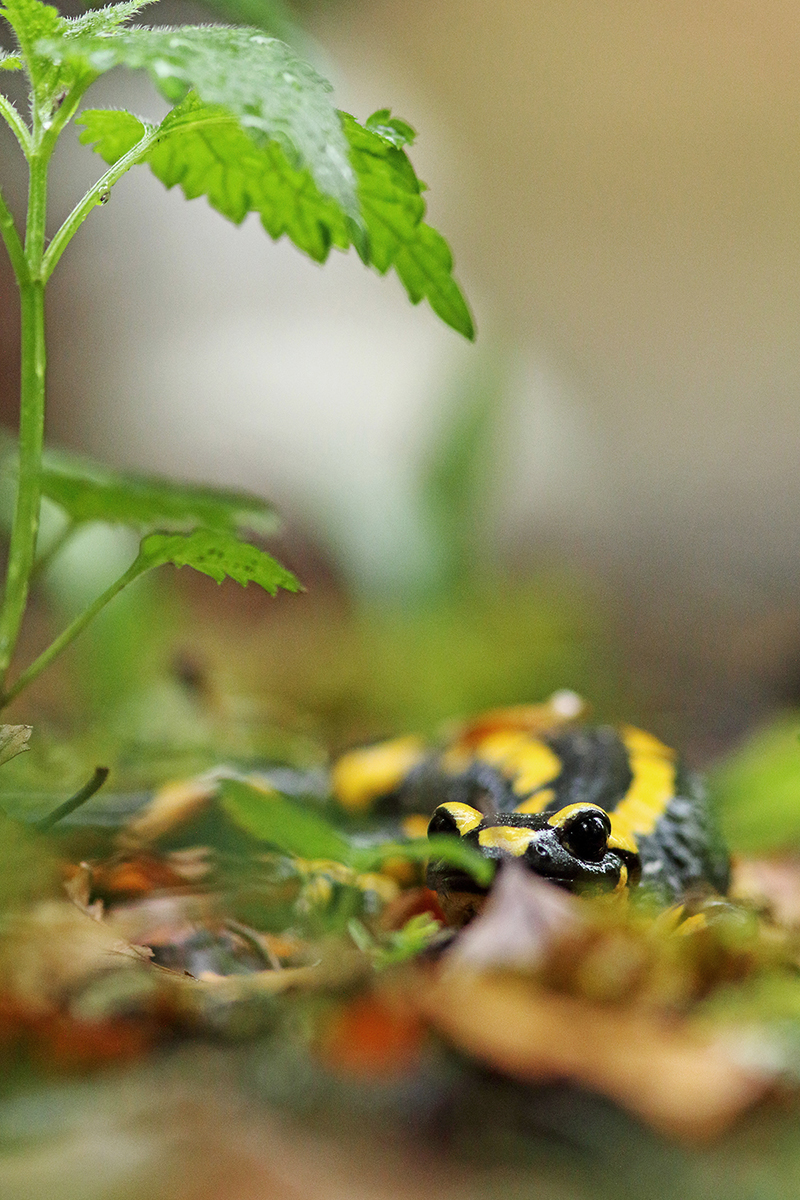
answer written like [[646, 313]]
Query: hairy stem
[[96, 195], [25, 527], [77, 626], [38, 145], [17, 124], [8, 232]]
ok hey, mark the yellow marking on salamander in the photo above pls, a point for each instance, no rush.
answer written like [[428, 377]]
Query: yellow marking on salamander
[[559, 819], [529, 763], [652, 787], [511, 838], [621, 836], [361, 776], [638, 741], [465, 817]]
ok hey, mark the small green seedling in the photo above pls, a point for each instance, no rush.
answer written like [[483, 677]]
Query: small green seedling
[[253, 129]]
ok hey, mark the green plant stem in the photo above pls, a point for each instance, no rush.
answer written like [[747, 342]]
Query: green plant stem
[[77, 626], [16, 123], [86, 792], [96, 195], [28, 266], [16, 253], [25, 527]]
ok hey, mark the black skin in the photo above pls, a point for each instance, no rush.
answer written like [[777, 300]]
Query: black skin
[[574, 856]]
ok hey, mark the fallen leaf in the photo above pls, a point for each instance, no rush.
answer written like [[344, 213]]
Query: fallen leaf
[[171, 806], [664, 1072], [372, 1035], [50, 952], [523, 920]]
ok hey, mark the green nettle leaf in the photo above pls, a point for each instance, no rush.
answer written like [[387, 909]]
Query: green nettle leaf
[[106, 19], [446, 849], [393, 129], [218, 554], [90, 492], [274, 95], [38, 26], [290, 827], [32, 22], [10, 62], [207, 153], [111, 132], [393, 208], [294, 828]]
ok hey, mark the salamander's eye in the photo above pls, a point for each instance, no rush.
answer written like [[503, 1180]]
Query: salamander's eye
[[586, 834], [454, 818], [442, 822]]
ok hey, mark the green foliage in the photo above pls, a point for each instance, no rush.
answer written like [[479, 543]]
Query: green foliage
[[36, 25], [288, 826], [406, 943], [392, 205], [272, 93], [294, 828], [398, 946], [87, 491], [757, 790], [455, 479], [202, 149], [205, 151], [392, 129], [252, 128], [31, 22], [111, 132], [448, 849], [218, 554]]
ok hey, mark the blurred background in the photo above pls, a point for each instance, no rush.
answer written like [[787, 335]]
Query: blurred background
[[602, 494]]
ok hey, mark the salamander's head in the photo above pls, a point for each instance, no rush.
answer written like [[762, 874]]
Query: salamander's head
[[576, 848]]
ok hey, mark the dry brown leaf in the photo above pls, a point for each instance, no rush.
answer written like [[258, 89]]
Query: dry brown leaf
[[333, 970], [52, 951], [663, 1072], [172, 805], [78, 887], [521, 924]]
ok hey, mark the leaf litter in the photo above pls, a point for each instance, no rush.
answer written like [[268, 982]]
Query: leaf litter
[[679, 1017]]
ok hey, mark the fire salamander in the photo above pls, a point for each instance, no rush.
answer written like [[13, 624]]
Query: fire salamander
[[587, 808]]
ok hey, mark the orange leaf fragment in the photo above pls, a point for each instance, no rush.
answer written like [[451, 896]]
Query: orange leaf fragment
[[65, 1043], [371, 1036]]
